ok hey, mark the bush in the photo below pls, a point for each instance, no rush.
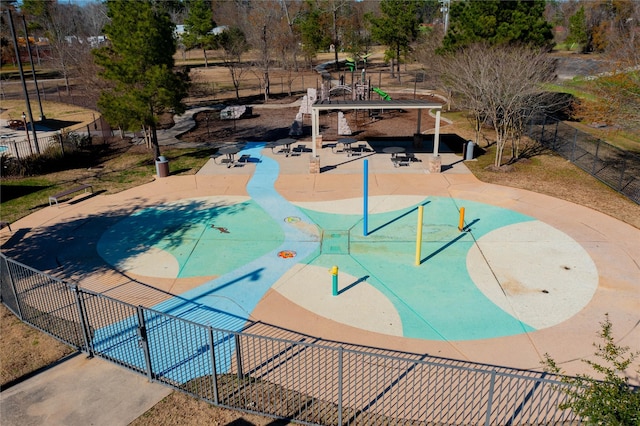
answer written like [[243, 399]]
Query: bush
[[611, 402]]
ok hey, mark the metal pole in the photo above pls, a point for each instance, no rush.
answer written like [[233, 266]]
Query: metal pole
[[33, 70], [214, 374], [26, 130], [340, 378], [487, 420], [83, 321], [238, 357], [419, 235], [573, 147], [144, 343], [13, 286], [622, 170], [365, 198], [595, 159], [24, 84]]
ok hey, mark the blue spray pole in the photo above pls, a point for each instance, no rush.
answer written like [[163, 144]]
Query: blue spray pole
[[365, 197]]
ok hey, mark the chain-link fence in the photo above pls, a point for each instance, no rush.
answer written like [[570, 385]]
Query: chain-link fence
[[613, 166], [294, 378]]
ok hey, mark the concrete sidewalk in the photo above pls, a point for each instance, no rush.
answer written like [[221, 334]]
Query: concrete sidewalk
[[80, 391]]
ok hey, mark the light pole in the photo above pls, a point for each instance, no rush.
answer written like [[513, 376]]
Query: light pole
[[26, 130], [445, 5]]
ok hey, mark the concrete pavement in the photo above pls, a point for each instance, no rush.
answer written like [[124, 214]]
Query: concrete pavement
[[67, 231]]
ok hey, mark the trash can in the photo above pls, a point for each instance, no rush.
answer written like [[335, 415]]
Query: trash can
[[468, 154], [162, 166]]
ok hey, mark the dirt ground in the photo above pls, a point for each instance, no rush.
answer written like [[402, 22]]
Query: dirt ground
[[267, 123]]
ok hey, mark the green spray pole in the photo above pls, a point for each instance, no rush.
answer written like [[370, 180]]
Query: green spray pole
[[334, 279], [365, 197]]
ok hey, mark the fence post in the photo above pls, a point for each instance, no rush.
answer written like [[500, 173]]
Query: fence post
[[13, 288], [238, 357], [340, 378], [214, 374], [59, 136], [15, 148], [83, 321], [595, 159], [555, 136], [573, 147], [144, 343], [624, 166], [492, 384]]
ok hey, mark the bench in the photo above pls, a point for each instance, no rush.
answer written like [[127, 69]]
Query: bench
[[73, 190], [4, 224]]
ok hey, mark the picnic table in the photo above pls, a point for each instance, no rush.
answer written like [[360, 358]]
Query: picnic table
[[228, 155], [397, 160], [284, 146], [346, 145]]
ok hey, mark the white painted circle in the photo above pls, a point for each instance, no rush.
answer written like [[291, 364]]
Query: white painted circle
[[534, 272]]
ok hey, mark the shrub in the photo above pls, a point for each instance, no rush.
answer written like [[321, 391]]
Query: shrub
[[612, 401]]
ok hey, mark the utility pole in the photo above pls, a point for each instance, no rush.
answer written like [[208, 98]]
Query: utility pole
[[24, 84], [33, 70]]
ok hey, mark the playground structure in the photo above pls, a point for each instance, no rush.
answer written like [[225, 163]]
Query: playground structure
[[359, 90]]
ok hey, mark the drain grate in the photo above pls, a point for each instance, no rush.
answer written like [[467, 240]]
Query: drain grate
[[335, 242]]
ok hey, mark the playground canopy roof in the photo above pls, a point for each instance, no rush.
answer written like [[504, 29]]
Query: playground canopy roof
[[341, 104], [375, 104]]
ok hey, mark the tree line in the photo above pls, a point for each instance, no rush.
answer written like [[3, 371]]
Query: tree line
[[491, 60]]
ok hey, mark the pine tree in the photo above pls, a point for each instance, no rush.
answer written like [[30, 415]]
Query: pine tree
[[138, 63], [498, 22]]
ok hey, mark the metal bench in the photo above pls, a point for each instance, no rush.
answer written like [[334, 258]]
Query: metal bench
[[84, 187], [4, 224]]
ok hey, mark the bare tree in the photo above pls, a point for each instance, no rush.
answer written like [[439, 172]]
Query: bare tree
[[500, 85], [234, 45], [262, 34]]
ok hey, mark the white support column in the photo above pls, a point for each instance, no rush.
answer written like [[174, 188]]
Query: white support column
[[436, 136], [314, 128]]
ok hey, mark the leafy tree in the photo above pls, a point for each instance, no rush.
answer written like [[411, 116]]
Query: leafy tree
[[611, 402], [138, 63], [616, 93], [578, 28], [7, 50], [498, 22], [397, 27], [308, 24], [198, 26], [234, 45], [355, 33], [607, 21]]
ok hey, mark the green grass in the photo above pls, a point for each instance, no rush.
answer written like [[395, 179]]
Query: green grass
[[112, 172], [575, 90]]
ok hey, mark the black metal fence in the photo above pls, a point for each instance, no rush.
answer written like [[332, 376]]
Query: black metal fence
[[58, 143], [292, 378], [615, 167]]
